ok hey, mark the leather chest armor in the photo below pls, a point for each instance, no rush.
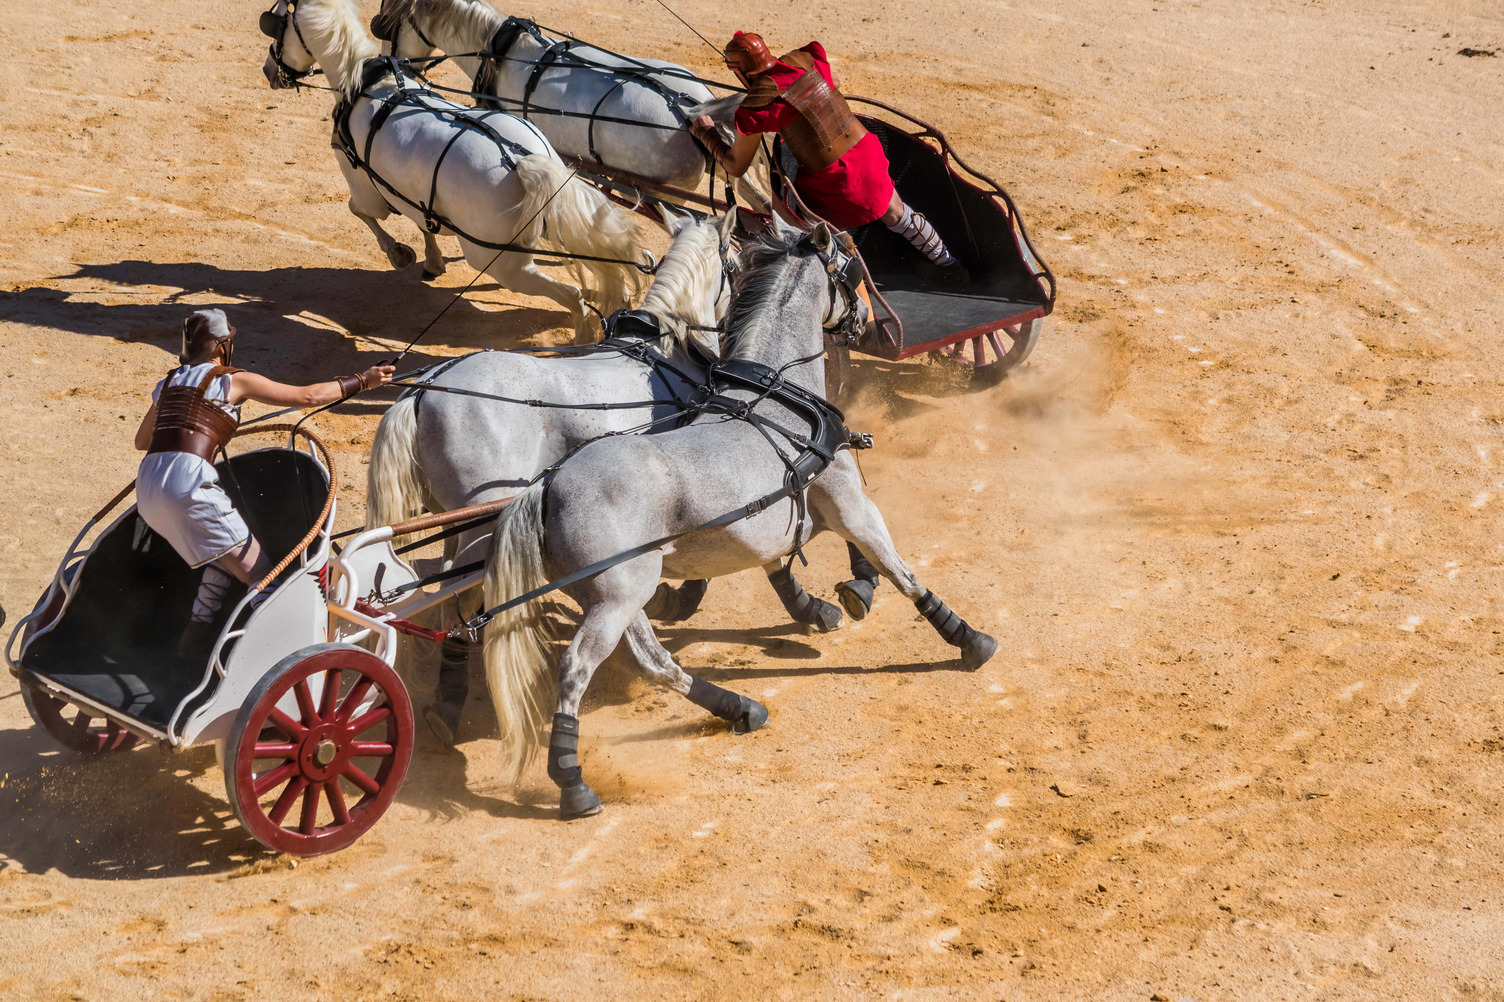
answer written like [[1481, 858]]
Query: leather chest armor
[[826, 129], [188, 422]]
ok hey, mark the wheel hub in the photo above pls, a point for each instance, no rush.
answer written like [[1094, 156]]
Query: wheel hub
[[320, 755]]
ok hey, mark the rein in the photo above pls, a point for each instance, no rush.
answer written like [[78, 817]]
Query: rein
[[828, 436]]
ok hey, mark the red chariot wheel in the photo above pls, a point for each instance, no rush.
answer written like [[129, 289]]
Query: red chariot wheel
[[74, 727], [311, 775], [1009, 346]]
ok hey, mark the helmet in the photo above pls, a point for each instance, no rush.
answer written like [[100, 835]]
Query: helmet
[[203, 333], [748, 54]]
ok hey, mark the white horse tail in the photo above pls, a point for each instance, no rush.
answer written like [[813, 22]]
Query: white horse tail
[[577, 217], [393, 489], [519, 665]]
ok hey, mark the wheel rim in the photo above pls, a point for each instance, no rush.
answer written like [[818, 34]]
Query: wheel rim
[[314, 780], [74, 727]]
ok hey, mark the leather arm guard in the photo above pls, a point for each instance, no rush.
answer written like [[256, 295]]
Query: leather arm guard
[[712, 141]]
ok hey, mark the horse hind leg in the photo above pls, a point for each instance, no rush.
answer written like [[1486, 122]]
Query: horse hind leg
[[521, 275], [443, 714], [433, 258], [400, 255], [856, 594], [674, 605], [816, 613], [745, 714]]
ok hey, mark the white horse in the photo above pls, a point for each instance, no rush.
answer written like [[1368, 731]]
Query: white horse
[[711, 495], [489, 174], [598, 93], [438, 451]]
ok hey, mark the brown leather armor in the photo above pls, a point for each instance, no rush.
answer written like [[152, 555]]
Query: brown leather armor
[[188, 422], [826, 129]]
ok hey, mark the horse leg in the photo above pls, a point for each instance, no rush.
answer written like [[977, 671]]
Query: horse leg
[[443, 714], [674, 605], [612, 600], [856, 594], [521, 275], [746, 715], [400, 255], [839, 501], [433, 258], [816, 613]]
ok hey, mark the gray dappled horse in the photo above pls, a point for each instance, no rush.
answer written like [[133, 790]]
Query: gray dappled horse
[[617, 494], [440, 451]]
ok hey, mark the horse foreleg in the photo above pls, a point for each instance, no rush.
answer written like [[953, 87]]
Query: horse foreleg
[[816, 613], [433, 258], [841, 504], [658, 664], [856, 594], [521, 275]]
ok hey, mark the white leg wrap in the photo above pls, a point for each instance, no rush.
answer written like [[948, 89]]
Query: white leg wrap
[[914, 228], [211, 594]]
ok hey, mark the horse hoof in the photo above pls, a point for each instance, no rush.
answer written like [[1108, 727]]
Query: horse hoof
[[754, 717], [977, 651], [401, 255], [856, 597], [429, 276], [822, 616], [444, 720], [578, 801]]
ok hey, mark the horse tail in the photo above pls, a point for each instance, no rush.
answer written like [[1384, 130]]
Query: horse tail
[[580, 219], [519, 666], [394, 490]]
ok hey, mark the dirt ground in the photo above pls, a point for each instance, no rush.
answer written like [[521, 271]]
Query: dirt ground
[[1233, 526]]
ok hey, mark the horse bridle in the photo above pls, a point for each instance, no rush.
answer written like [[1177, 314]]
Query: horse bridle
[[274, 26], [846, 272]]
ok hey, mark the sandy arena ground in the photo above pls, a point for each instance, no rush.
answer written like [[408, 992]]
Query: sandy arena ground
[[1233, 526]]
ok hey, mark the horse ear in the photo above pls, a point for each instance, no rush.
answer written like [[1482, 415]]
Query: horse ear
[[727, 226], [822, 237], [673, 221]]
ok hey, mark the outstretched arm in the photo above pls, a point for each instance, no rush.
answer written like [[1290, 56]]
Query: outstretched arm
[[734, 159], [250, 386]]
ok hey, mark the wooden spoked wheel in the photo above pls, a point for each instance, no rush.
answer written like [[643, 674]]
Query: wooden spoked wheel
[[74, 727], [991, 356], [314, 774]]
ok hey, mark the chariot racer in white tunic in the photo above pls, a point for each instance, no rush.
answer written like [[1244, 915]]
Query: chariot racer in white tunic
[[194, 413]]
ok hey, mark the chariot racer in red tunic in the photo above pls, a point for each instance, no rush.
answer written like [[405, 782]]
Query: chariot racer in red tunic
[[194, 413], [843, 172]]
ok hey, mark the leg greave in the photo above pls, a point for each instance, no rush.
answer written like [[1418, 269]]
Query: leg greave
[[952, 628], [801, 605], [212, 588], [914, 228], [564, 751]]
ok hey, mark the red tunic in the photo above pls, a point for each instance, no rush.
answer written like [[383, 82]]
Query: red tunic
[[854, 190]]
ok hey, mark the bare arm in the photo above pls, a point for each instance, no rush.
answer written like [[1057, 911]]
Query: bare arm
[[742, 153], [250, 386], [737, 157], [143, 433]]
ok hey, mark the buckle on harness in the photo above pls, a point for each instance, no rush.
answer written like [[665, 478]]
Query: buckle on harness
[[858, 439]]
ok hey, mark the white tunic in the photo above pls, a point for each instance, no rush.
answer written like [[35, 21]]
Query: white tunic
[[178, 493]]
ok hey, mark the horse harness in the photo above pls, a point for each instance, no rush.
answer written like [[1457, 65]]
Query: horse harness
[[505, 37], [274, 26]]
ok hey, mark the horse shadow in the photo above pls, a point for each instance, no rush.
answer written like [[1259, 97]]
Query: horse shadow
[[288, 316]]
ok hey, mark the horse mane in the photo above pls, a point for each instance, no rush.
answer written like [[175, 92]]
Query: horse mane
[[459, 18], [759, 269], [338, 27], [674, 296]]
